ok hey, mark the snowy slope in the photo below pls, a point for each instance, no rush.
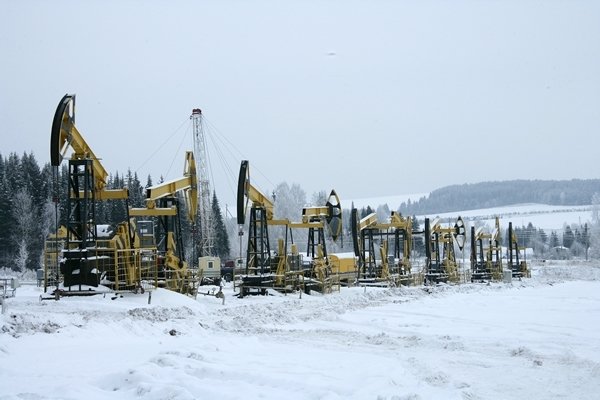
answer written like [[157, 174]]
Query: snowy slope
[[535, 339], [544, 216]]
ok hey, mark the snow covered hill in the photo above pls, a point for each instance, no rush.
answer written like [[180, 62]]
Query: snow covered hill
[[544, 216], [534, 339]]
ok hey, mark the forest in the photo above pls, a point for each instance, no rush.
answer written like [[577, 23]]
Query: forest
[[33, 203], [473, 196]]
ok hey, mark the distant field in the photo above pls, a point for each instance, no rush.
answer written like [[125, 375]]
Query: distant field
[[547, 217], [542, 216]]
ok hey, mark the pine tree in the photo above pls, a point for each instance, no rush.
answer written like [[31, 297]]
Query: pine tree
[[542, 239], [12, 175], [62, 193], [136, 191], [6, 222], [31, 179], [118, 213], [543, 236], [553, 239], [585, 240], [365, 211], [222, 248], [34, 183], [568, 237]]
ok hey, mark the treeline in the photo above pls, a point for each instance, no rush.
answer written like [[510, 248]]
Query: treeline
[[33, 202], [574, 241], [26, 210], [497, 194]]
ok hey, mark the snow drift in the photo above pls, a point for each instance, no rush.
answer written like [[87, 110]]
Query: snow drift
[[535, 339]]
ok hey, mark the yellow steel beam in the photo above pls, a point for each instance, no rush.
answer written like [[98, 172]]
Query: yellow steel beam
[[258, 199], [152, 212], [107, 194], [69, 135], [367, 221]]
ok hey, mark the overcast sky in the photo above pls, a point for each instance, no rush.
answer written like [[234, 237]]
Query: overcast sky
[[371, 98]]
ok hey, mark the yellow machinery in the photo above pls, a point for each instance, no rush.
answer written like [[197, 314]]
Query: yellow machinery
[[314, 269], [86, 173], [267, 269], [87, 180], [345, 266], [162, 203], [391, 267], [53, 247], [362, 250], [258, 253], [486, 254], [518, 267], [322, 275], [439, 250], [122, 259], [261, 264]]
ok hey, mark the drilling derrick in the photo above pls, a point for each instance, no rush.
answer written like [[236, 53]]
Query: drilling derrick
[[205, 217]]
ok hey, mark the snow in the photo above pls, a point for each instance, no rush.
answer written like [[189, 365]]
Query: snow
[[544, 216], [535, 339]]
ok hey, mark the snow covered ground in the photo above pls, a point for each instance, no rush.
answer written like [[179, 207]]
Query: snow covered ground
[[533, 339]]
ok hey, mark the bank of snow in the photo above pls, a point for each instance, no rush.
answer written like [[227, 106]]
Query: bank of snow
[[534, 339]]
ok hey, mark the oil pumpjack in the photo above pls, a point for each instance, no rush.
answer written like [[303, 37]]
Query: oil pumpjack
[[118, 261], [267, 269]]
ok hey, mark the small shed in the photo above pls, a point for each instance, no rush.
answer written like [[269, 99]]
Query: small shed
[[210, 267]]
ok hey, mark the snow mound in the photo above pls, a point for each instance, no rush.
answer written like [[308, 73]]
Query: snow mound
[[534, 339]]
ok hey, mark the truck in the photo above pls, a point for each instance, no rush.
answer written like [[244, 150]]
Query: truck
[[232, 268]]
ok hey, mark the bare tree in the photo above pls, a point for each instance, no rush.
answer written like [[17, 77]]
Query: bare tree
[[383, 213], [289, 201], [24, 217], [319, 198], [48, 221], [594, 251], [21, 256]]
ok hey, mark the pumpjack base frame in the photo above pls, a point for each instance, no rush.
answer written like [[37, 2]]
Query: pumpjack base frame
[[481, 276], [260, 284], [393, 280], [256, 283], [436, 277]]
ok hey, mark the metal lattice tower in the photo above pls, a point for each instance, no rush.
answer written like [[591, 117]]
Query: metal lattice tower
[[205, 217]]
